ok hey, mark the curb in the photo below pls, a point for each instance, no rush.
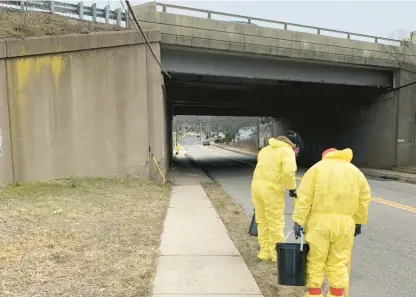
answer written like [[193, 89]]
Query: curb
[[391, 177], [235, 150]]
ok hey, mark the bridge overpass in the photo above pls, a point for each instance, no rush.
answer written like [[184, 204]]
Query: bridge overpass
[[98, 104], [336, 88]]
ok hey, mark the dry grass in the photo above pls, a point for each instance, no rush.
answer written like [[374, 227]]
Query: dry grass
[[87, 237], [237, 223], [16, 24]]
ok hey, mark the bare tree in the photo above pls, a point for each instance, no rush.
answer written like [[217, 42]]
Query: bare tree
[[400, 34], [24, 15], [228, 125], [398, 52], [231, 125]]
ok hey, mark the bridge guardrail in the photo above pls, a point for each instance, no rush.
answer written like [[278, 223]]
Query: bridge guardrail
[[73, 10], [285, 25], [80, 11]]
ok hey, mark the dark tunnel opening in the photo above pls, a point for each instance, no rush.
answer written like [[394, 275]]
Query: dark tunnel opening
[[325, 115]]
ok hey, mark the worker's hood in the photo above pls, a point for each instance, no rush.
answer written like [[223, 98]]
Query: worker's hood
[[281, 141], [345, 155]]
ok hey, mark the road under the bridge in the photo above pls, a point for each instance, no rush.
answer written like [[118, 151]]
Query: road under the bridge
[[383, 258], [325, 115]]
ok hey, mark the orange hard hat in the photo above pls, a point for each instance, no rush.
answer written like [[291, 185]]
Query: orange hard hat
[[328, 151]]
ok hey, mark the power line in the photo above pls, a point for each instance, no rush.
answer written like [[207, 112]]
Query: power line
[[400, 87], [139, 29]]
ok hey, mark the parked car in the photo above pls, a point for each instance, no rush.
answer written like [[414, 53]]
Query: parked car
[[206, 142]]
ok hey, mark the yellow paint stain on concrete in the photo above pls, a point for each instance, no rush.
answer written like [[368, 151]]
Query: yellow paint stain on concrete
[[31, 68], [23, 51], [27, 74], [22, 69], [57, 67]]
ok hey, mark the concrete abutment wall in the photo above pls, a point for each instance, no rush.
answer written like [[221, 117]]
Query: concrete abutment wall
[[381, 131], [406, 119], [81, 105]]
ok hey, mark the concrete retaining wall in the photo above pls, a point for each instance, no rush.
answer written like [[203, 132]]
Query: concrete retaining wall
[[6, 164], [81, 105]]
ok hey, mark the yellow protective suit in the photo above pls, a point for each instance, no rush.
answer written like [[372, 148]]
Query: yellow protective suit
[[332, 198], [275, 170]]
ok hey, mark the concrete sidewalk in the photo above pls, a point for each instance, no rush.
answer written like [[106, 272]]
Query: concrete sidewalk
[[197, 256]]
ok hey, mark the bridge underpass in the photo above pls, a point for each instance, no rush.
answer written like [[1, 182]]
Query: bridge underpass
[[325, 115], [382, 132]]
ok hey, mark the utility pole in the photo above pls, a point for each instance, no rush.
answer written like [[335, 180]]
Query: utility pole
[[200, 128]]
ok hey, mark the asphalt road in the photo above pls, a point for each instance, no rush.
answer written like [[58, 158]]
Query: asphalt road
[[384, 257]]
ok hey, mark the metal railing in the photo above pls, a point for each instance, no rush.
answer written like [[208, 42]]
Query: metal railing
[[104, 15], [284, 25], [95, 14]]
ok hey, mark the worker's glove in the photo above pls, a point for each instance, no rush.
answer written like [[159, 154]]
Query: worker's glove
[[297, 229], [357, 230], [293, 194]]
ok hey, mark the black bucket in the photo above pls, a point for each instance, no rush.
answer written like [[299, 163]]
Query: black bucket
[[291, 263], [253, 225]]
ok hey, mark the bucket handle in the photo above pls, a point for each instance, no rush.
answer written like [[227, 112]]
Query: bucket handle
[[302, 238]]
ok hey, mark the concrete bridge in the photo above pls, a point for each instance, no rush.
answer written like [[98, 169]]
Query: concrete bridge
[[62, 115], [336, 91]]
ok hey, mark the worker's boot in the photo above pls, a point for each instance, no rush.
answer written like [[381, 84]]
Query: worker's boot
[[274, 254], [314, 292], [264, 256], [335, 292]]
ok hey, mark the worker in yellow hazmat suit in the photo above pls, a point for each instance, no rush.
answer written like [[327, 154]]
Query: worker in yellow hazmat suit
[[332, 204], [275, 170], [177, 148]]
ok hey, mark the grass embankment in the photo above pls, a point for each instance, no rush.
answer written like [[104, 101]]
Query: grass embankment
[[86, 237], [237, 223], [17, 24]]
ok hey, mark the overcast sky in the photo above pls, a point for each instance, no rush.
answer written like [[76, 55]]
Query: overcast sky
[[394, 19]]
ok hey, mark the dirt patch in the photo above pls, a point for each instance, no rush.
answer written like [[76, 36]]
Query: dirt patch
[[16, 24], [237, 223], [87, 237]]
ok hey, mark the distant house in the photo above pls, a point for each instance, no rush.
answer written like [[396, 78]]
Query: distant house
[[217, 133], [245, 133]]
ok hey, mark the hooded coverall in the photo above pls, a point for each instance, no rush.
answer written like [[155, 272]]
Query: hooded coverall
[[333, 197], [275, 170]]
